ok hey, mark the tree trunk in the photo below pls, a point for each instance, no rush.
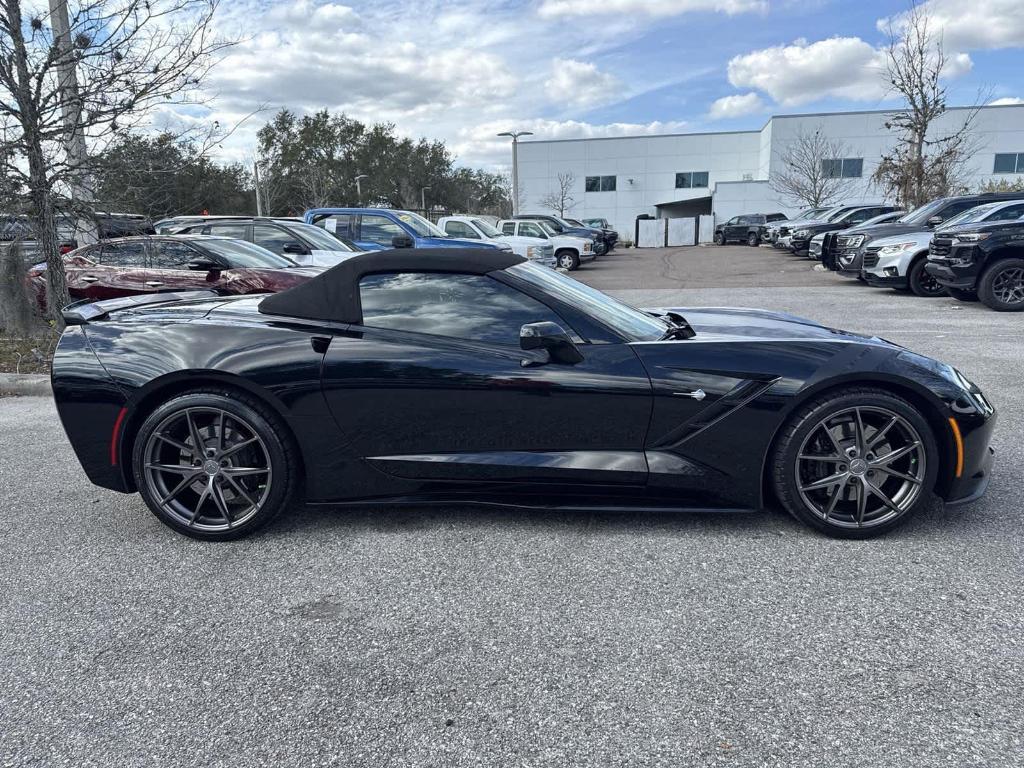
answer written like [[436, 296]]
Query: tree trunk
[[45, 226]]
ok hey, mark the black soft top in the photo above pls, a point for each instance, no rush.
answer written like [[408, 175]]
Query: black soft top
[[334, 295]]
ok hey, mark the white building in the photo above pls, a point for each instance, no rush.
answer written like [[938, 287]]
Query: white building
[[727, 173]]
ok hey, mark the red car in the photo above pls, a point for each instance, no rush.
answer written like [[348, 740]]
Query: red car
[[132, 265]]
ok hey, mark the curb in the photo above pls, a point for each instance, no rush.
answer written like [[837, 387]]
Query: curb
[[25, 384]]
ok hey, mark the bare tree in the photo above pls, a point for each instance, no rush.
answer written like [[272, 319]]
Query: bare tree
[[102, 72], [923, 165], [561, 199], [811, 173]]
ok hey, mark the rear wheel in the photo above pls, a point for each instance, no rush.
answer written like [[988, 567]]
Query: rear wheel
[[569, 260], [962, 295], [855, 463], [1001, 287], [922, 283], [214, 464], [753, 240]]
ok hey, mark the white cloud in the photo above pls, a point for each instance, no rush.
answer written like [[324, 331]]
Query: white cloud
[[974, 25], [736, 106], [843, 67], [581, 84], [1006, 101], [554, 8]]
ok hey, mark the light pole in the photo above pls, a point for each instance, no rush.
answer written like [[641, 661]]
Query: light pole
[[423, 199], [359, 188], [515, 165]]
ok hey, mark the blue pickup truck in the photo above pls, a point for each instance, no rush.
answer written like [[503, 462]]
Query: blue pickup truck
[[381, 228]]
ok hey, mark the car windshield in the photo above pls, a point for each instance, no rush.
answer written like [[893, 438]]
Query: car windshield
[[628, 321], [419, 225], [564, 223], [838, 214], [972, 215], [320, 239], [547, 227], [486, 228], [921, 214], [240, 254]]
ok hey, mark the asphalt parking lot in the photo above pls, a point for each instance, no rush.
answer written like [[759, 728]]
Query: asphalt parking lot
[[471, 637]]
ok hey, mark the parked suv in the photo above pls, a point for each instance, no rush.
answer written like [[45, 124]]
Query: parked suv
[[845, 254], [290, 238], [375, 229], [900, 261], [129, 266], [749, 228], [563, 227], [775, 229], [570, 251], [800, 240], [611, 237], [474, 228], [981, 261], [818, 241]]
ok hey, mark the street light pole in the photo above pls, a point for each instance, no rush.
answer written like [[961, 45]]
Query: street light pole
[[359, 188], [515, 165], [423, 199]]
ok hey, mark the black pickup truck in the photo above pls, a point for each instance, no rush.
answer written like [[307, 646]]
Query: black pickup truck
[[748, 228], [981, 261]]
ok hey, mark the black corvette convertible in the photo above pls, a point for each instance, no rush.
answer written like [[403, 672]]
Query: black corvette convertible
[[419, 376]]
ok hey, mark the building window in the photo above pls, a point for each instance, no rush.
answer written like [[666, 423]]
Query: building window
[[843, 168], [1012, 162], [691, 179], [600, 183]]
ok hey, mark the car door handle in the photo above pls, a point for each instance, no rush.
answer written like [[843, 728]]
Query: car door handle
[[153, 283], [697, 394], [89, 279]]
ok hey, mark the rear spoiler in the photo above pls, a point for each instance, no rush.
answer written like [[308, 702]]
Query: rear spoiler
[[85, 311]]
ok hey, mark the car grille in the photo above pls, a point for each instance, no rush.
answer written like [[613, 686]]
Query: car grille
[[871, 256], [940, 247]]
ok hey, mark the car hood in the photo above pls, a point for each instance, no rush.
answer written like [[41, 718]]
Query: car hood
[[455, 242], [734, 323], [884, 230], [921, 238]]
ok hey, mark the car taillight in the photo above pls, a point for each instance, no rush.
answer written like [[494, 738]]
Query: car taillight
[[66, 249]]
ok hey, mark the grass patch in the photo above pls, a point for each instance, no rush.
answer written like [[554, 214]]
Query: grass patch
[[27, 354]]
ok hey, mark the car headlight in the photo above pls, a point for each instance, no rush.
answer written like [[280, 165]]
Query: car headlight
[[855, 241], [532, 252], [587, 246], [803, 234], [889, 250], [972, 237]]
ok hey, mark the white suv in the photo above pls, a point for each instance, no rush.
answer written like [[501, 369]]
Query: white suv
[[570, 251], [475, 228]]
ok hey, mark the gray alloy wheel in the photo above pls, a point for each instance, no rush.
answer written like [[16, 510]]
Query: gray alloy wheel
[[855, 463], [921, 282], [861, 467], [753, 240], [214, 465], [568, 260], [719, 238], [1002, 286]]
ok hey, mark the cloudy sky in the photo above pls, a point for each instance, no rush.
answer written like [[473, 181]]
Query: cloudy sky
[[464, 70]]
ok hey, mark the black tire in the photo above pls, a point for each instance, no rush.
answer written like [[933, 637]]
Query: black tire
[[920, 282], [567, 259], [222, 505], [961, 294], [719, 238], [792, 478], [1001, 286], [753, 240]]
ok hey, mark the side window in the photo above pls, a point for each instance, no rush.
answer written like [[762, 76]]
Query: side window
[[336, 223], [131, 254], [379, 229], [1009, 213], [274, 238], [529, 229], [168, 255], [509, 227], [858, 216], [474, 307], [733, 221], [460, 229], [955, 209], [237, 230]]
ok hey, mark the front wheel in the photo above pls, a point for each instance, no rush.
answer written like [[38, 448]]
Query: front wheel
[[214, 464], [962, 295], [569, 260], [922, 283], [753, 240], [719, 238], [1001, 287], [855, 463]]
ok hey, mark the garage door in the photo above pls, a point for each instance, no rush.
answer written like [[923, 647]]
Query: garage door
[[650, 233], [682, 231]]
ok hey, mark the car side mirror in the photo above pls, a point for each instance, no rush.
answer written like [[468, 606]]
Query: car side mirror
[[296, 249], [551, 337], [934, 221], [402, 241], [205, 265]]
